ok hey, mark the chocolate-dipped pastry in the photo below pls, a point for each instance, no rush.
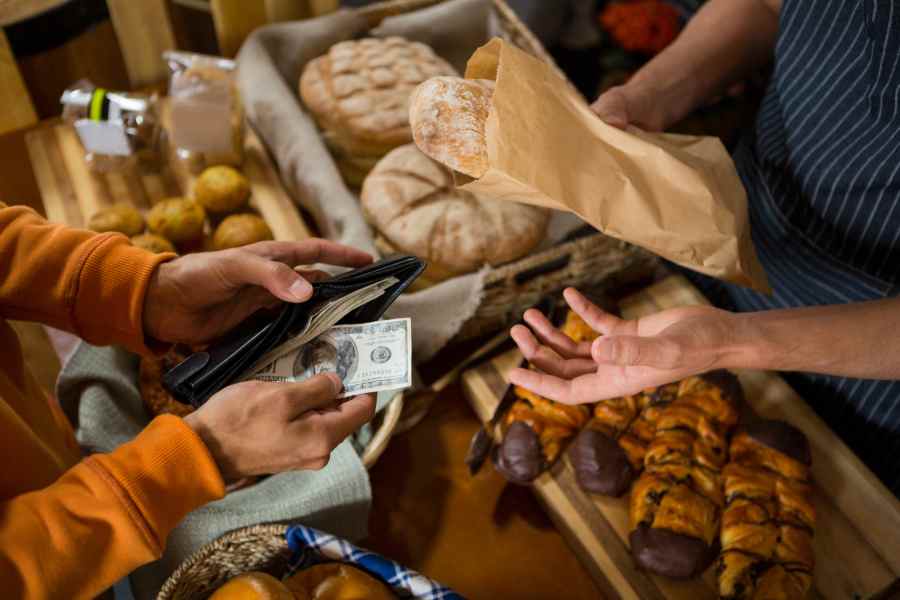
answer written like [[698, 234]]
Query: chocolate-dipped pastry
[[676, 503], [601, 465], [668, 553], [551, 424], [768, 521], [782, 437], [519, 458], [537, 429], [609, 453]]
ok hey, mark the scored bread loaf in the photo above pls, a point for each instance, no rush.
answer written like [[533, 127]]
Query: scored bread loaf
[[448, 116], [414, 204], [359, 94], [676, 503], [769, 519]]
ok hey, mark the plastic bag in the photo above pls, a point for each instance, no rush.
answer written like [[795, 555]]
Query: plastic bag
[[206, 126], [117, 129]]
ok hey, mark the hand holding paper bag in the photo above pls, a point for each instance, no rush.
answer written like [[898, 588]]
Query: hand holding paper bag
[[677, 196]]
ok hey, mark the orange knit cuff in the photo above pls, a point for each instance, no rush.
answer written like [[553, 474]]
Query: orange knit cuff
[[166, 472], [109, 301]]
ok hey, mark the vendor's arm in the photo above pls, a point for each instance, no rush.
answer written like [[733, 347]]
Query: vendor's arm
[[724, 42], [860, 340]]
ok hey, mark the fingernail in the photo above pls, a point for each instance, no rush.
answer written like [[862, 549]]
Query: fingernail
[[301, 289]]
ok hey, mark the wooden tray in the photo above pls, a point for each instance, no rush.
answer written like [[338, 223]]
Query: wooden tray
[[72, 193], [857, 541]]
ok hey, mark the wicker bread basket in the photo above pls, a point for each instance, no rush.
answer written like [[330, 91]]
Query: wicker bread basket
[[514, 287], [279, 550], [255, 548]]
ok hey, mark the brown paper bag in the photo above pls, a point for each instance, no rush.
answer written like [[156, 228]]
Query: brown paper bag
[[675, 195]]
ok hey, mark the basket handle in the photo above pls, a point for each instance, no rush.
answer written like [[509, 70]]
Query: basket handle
[[378, 12], [382, 436], [560, 262]]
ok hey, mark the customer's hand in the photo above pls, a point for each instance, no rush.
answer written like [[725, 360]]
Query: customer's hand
[[198, 297], [628, 357], [256, 428], [630, 105]]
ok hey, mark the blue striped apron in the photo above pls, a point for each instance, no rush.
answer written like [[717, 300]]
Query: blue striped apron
[[822, 172]]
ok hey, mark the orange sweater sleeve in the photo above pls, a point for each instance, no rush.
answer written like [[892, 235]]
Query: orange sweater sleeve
[[90, 284], [106, 516]]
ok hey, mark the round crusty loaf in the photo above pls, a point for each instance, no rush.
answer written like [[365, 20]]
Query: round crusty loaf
[[359, 92], [447, 115], [413, 202]]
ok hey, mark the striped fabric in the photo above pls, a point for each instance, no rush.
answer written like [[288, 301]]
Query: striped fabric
[[822, 171]]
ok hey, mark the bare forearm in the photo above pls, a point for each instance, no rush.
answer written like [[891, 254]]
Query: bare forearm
[[859, 340], [724, 42]]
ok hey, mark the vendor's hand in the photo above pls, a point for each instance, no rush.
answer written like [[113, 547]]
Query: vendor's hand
[[628, 357], [627, 105], [256, 428], [200, 296]]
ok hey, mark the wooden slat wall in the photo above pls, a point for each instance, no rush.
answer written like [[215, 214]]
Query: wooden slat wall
[[16, 108], [144, 31]]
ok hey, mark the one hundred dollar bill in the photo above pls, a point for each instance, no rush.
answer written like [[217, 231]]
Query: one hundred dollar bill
[[323, 317], [369, 357]]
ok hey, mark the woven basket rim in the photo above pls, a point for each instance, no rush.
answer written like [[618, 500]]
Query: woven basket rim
[[210, 549]]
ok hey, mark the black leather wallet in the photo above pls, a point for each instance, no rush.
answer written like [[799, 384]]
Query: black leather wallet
[[202, 374]]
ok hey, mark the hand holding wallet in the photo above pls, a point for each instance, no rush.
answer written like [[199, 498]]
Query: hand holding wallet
[[202, 374]]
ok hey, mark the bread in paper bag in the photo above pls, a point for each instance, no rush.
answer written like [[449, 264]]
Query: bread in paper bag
[[675, 195]]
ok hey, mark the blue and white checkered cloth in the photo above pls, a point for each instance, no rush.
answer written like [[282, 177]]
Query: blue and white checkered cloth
[[310, 546]]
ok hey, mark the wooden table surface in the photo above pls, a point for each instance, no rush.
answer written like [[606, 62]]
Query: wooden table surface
[[480, 535]]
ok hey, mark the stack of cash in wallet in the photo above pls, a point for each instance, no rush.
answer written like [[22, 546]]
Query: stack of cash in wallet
[[368, 357]]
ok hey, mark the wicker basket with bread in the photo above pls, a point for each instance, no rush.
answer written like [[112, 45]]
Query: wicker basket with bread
[[358, 92]]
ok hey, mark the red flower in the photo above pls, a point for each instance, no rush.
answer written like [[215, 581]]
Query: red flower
[[643, 26]]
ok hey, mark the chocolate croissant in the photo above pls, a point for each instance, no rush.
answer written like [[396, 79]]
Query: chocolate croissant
[[769, 519], [609, 452], [536, 429], [676, 503]]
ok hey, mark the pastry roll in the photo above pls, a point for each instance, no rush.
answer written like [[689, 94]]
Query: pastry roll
[[536, 429], [609, 452], [768, 521], [677, 501]]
